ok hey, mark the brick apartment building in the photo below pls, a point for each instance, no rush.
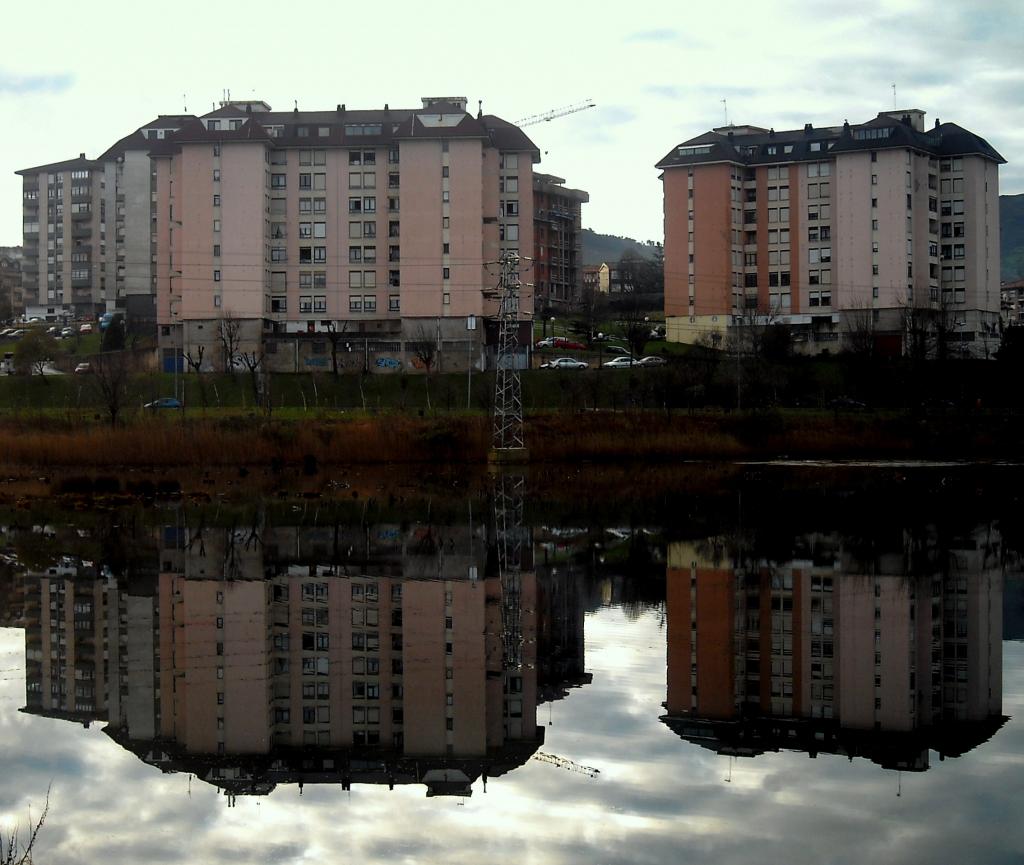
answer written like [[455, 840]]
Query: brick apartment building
[[558, 243], [826, 228]]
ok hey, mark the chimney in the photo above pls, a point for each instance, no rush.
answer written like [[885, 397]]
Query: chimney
[[808, 129], [339, 108], [771, 132], [81, 156], [386, 107], [937, 123]]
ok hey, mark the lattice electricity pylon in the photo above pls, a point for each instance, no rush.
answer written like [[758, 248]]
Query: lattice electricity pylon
[[508, 393], [508, 526]]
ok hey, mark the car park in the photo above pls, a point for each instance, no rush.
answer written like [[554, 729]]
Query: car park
[[651, 360], [619, 363], [565, 363], [163, 402]]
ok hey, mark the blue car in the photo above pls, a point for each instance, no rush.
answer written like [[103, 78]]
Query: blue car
[[164, 402]]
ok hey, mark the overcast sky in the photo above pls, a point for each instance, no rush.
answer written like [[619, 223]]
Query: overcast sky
[[658, 798], [77, 77]]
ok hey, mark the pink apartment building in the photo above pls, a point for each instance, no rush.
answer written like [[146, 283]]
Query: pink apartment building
[[834, 228], [381, 225]]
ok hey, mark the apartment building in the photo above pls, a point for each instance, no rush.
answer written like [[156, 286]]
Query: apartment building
[[12, 296], [558, 243], [72, 267], [382, 225], [832, 230], [64, 238], [829, 655]]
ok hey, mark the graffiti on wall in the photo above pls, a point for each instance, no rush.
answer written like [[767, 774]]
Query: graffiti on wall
[[388, 363]]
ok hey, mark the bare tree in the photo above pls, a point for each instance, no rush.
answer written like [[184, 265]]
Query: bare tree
[[12, 851], [335, 335], [195, 363], [253, 362], [112, 377], [424, 349], [860, 332], [229, 332], [589, 312]]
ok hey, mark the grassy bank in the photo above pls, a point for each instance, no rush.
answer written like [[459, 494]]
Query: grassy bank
[[165, 441]]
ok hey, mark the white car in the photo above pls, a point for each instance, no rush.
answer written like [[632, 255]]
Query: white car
[[565, 363], [651, 360], [619, 363]]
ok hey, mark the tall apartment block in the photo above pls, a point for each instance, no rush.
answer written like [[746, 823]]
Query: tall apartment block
[[382, 224], [825, 229], [74, 267], [558, 243]]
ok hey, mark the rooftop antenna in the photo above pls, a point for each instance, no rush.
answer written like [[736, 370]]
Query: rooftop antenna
[[184, 103], [894, 96], [725, 108]]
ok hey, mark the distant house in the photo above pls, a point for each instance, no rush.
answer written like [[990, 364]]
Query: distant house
[[1012, 302]]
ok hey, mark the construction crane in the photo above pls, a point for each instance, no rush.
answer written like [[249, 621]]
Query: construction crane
[[548, 116], [568, 765]]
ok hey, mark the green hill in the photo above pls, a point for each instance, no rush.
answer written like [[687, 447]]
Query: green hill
[[609, 247], [1011, 236]]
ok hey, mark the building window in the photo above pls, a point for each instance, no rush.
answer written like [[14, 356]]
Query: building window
[[393, 303], [320, 305], [355, 304], [305, 181], [216, 276], [278, 181], [369, 303], [216, 201]]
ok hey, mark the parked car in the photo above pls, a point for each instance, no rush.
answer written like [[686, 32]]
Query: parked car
[[163, 402], [619, 363], [16, 334], [547, 342], [615, 349], [82, 368], [7, 331], [564, 363], [67, 331], [85, 328], [652, 360]]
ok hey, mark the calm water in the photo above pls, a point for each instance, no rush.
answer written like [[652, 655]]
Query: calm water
[[790, 665]]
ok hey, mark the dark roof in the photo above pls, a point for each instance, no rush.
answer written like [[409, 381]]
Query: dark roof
[[508, 136], [396, 124], [66, 165], [135, 141], [754, 148], [194, 132]]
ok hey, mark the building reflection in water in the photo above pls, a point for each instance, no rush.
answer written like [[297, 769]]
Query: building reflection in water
[[885, 656], [346, 654]]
